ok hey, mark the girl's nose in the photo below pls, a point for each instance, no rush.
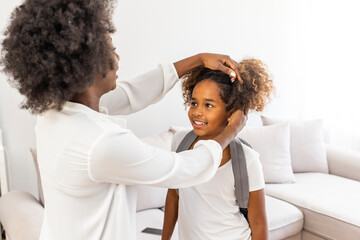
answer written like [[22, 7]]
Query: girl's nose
[[197, 112]]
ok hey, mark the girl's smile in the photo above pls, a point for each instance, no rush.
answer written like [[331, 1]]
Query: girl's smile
[[198, 123]]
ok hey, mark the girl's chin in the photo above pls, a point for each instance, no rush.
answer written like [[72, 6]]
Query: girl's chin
[[203, 135]]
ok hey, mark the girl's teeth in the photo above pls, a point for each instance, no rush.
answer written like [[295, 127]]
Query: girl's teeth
[[199, 123]]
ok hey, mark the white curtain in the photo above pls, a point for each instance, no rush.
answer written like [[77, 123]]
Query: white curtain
[[326, 51]]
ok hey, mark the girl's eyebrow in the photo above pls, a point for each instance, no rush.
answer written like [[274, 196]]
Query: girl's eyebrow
[[206, 99]]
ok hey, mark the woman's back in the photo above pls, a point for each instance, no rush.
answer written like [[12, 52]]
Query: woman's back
[[76, 205]]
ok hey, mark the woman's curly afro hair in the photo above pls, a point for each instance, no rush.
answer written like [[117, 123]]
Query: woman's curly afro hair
[[55, 48], [252, 94]]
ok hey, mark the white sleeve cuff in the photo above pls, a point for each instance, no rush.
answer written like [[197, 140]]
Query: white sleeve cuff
[[214, 148], [170, 76]]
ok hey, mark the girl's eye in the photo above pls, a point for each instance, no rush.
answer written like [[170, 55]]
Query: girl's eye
[[193, 104], [208, 105]]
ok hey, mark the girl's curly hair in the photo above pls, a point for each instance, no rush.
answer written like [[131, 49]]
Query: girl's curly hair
[[252, 94], [55, 48]]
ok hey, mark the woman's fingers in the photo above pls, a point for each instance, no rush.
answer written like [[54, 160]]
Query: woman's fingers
[[234, 66], [228, 70], [223, 63]]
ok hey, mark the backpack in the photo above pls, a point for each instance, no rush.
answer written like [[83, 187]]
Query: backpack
[[238, 162]]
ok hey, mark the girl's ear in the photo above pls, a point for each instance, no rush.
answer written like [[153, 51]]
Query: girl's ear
[[228, 114], [244, 109]]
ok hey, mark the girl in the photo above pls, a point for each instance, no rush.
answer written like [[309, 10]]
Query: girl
[[209, 210]]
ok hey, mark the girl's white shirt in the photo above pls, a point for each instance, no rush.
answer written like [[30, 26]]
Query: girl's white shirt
[[90, 163], [209, 210]]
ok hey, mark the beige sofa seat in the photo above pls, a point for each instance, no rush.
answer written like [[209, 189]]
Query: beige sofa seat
[[331, 204], [285, 221], [21, 215]]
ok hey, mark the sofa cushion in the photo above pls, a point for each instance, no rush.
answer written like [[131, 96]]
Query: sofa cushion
[[273, 145], [308, 153], [21, 215], [330, 203], [284, 219], [150, 197], [161, 140], [153, 218]]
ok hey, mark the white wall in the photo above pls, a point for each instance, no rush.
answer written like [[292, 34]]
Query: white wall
[[149, 32], [17, 125]]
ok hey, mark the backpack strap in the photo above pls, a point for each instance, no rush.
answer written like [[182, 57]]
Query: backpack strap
[[245, 142], [240, 173], [187, 141], [185, 144]]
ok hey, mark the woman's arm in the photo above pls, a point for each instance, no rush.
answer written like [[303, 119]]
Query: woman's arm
[[135, 94], [171, 214], [257, 215], [120, 157], [123, 158]]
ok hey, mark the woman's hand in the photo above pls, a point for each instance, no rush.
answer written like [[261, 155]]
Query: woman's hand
[[237, 121], [223, 63], [209, 60]]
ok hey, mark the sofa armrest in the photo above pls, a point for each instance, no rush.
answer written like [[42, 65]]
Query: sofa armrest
[[21, 215], [343, 162]]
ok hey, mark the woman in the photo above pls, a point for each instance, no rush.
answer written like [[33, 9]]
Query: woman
[[60, 57]]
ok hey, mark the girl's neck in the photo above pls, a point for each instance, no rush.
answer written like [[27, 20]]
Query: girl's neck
[[226, 156]]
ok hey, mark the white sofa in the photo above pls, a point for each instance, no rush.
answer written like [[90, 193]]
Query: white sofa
[[317, 205]]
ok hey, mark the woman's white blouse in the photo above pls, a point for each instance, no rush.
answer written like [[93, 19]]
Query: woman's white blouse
[[90, 163]]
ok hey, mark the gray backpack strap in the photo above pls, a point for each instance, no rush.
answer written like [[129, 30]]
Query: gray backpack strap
[[240, 173], [185, 144], [245, 142]]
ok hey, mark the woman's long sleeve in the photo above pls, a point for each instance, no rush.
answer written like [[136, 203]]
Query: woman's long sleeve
[[135, 94], [124, 159]]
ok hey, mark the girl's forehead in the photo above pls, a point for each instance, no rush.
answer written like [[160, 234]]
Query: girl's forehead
[[207, 88], [207, 83]]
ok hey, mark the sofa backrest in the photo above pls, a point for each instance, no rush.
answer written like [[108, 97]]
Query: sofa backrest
[[343, 162]]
